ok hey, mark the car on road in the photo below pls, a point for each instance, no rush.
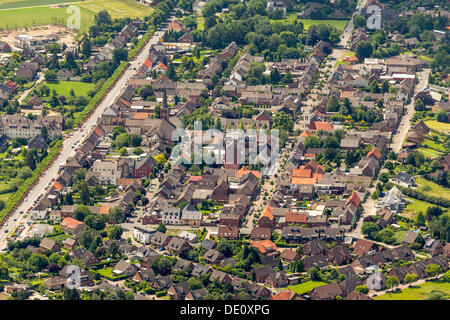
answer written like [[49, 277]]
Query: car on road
[[6, 231]]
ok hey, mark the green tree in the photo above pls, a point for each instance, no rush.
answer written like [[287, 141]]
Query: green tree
[[81, 212], [364, 50], [116, 215], [420, 219], [370, 229], [362, 289], [433, 270], [436, 295], [115, 232], [38, 261], [410, 277], [392, 282], [86, 48], [282, 120], [359, 21], [419, 105], [161, 228], [442, 116], [71, 294]]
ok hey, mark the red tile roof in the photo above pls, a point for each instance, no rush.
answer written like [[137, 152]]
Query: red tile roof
[[321, 125], [264, 246], [70, 223], [354, 198]]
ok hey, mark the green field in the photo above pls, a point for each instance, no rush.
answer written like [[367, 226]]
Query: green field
[[28, 17], [13, 4], [117, 8], [430, 153], [63, 87], [339, 24], [413, 208], [306, 287], [432, 188], [431, 144], [438, 126], [419, 292]]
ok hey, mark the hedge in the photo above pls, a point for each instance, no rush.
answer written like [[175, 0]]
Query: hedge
[[161, 293], [24, 188], [103, 264], [100, 94], [283, 244], [133, 52]]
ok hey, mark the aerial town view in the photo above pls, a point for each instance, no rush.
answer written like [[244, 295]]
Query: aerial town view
[[224, 150]]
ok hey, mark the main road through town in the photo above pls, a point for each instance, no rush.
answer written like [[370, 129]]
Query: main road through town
[[72, 142]]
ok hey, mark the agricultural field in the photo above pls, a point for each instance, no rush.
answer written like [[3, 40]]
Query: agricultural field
[[306, 287], [117, 8], [419, 292], [28, 17], [63, 87], [13, 4], [430, 153], [438, 126]]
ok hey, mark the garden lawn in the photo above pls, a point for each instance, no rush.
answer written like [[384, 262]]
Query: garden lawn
[[419, 292], [106, 272], [306, 287], [438, 126], [398, 235], [63, 87], [432, 188]]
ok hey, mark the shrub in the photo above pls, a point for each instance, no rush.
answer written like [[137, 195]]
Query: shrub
[[161, 293]]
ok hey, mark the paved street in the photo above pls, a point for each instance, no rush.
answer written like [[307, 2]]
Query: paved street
[[72, 141], [405, 124]]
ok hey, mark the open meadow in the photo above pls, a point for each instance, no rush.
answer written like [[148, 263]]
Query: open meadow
[[419, 292], [20, 17]]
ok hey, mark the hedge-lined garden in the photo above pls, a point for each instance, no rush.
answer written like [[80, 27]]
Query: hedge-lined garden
[[23, 189]]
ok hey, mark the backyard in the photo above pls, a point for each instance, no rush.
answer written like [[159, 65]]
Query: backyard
[[438, 126], [63, 87], [306, 287]]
